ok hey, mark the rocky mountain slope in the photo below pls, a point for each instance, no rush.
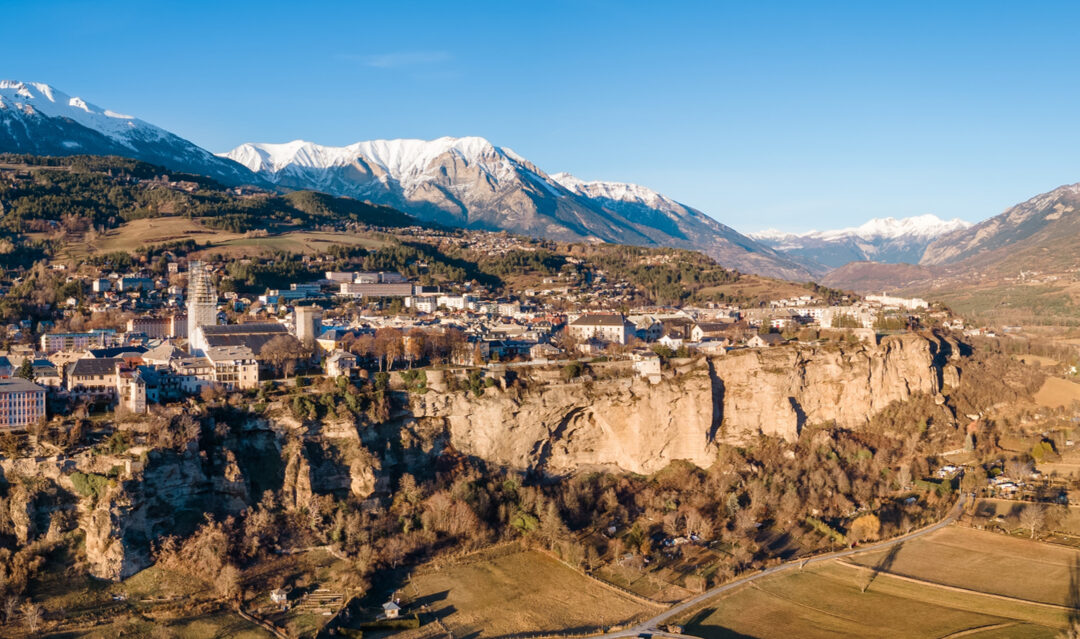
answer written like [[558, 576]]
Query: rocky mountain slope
[[876, 277], [38, 119], [473, 183], [885, 240], [1046, 224]]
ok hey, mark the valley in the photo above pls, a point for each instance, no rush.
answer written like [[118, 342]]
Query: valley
[[381, 376]]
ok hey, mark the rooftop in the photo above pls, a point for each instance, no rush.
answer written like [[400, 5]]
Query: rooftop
[[17, 385], [599, 319], [244, 329]]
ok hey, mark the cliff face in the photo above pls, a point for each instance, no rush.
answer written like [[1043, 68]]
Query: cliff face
[[777, 391], [173, 489], [638, 427], [129, 516], [624, 423]]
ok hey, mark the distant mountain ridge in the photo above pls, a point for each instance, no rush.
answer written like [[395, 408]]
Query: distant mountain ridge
[[1051, 218], [886, 240], [472, 183], [36, 118]]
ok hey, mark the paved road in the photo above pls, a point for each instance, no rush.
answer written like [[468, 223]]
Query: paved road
[[651, 626]]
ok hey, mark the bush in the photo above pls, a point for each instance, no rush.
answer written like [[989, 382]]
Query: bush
[[476, 382], [572, 370], [382, 381], [89, 485], [401, 623], [415, 381], [116, 444]]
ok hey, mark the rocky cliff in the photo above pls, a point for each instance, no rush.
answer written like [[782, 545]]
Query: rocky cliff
[[623, 423], [777, 391], [617, 423], [634, 426]]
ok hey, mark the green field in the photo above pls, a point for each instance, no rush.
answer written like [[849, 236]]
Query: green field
[[930, 587]]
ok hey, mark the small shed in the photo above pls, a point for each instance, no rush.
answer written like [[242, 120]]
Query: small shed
[[279, 595], [391, 610]]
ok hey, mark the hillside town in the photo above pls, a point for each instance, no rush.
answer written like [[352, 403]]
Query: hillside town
[[130, 340]]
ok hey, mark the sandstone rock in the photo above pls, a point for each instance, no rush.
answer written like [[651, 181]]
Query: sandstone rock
[[625, 423], [777, 391]]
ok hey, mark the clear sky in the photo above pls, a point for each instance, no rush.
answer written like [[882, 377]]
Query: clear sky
[[762, 114]]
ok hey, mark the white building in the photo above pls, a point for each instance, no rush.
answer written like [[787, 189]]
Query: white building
[[605, 327], [910, 303]]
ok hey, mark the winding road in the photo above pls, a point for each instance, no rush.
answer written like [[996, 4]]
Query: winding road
[[651, 627]]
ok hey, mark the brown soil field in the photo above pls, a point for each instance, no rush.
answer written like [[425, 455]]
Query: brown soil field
[[954, 582], [986, 562], [520, 592], [828, 601], [1038, 360], [1057, 392]]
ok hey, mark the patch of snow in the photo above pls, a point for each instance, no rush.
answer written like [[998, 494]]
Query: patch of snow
[[36, 97], [407, 161], [920, 226]]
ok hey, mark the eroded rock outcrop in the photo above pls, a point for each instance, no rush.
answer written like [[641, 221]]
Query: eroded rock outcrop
[[130, 515], [777, 391], [638, 427], [624, 423], [618, 423]]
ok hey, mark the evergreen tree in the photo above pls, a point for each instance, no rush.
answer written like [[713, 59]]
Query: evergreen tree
[[26, 370]]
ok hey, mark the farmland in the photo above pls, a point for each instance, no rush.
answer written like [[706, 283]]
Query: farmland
[[1057, 392], [518, 592], [146, 232], [955, 580]]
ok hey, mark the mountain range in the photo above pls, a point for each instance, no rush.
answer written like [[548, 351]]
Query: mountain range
[[469, 182], [36, 118], [465, 182], [887, 240], [472, 183]]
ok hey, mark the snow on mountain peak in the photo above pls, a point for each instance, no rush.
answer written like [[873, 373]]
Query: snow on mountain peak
[[615, 191], [397, 157], [920, 226], [410, 162], [37, 97]]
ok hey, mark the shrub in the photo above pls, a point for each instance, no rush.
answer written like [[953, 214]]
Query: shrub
[[382, 381], [401, 623], [117, 443], [89, 485], [572, 370], [415, 381], [476, 382]]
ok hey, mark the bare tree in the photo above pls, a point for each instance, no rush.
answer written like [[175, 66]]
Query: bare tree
[[282, 350], [32, 614], [1019, 469], [415, 345], [1033, 517], [903, 477], [388, 347], [11, 606]]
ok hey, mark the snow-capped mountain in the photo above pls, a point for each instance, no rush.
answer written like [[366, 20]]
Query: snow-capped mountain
[[887, 240], [36, 118], [470, 182]]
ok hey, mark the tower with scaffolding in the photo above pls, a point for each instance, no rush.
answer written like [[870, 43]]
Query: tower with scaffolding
[[201, 306]]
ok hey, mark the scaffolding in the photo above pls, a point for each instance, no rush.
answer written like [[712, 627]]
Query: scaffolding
[[201, 305]]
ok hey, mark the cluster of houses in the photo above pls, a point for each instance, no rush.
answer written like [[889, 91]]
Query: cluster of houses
[[177, 341]]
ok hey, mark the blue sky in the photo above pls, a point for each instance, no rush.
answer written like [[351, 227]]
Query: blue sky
[[761, 114]]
